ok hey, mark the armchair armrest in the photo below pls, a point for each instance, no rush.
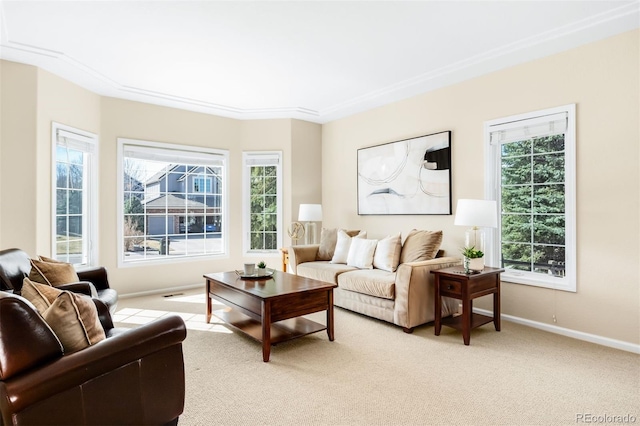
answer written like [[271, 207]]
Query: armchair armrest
[[96, 275], [302, 254], [82, 287], [415, 292], [105, 357]]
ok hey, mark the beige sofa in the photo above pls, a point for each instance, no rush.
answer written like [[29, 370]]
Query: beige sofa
[[404, 297]]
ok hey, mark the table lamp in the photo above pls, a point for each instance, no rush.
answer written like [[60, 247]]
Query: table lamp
[[310, 214], [477, 214]]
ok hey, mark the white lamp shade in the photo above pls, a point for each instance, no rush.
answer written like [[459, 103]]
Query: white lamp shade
[[480, 213], [310, 213]]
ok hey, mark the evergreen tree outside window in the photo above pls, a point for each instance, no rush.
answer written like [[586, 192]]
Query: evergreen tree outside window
[[263, 202], [531, 166], [74, 195]]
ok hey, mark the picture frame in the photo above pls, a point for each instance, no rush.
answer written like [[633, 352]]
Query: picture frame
[[406, 177]]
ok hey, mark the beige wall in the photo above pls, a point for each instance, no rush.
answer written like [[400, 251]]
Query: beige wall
[[306, 165], [18, 90], [32, 99], [602, 79]]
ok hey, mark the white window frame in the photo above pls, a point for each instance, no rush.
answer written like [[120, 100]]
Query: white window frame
[[86, 142], [163, 153], [253, 158], [492, 192]]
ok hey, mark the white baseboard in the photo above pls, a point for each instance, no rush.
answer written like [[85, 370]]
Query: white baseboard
[[600, 340], [167, 290]]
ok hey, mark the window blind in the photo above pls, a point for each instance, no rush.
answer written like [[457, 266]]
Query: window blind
[[536, 127], [174, 156], [75, 141], [262, 160]]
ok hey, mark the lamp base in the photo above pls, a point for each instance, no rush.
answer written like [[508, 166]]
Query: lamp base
[[474, 237]]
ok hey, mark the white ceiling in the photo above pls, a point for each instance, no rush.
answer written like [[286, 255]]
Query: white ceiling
[[312, 60]]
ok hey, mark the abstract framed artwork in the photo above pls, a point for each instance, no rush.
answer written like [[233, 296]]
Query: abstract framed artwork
[[411, 176]]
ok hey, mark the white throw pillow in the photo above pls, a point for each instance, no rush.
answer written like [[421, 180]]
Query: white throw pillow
[[343, 244], [361, 253], [387, 255]]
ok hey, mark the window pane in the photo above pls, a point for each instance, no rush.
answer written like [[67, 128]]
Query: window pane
[[516, 148], [75, 176], [257, 241], [516, 228], [61, 201], [549, 144], [550, 260], [516, 170], [548, 168], [516, 199], [62, 229], [75, 226], [62, 173], [75, 202], [549, 229], [516, 256], [271, 241], [549, 199]]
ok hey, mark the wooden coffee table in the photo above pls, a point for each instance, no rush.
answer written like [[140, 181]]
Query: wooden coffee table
[[270, 310]]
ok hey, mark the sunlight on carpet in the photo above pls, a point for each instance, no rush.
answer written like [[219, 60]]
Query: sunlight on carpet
[[137, 316]]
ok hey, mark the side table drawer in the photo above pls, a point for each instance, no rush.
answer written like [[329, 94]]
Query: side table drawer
[[483, 284], [450, 287]]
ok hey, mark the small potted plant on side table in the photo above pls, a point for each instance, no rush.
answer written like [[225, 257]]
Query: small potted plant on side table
[[262, 268], [473, 260]]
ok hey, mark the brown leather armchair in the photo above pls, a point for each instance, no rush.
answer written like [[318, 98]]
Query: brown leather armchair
[[15, 265], [135, 376]]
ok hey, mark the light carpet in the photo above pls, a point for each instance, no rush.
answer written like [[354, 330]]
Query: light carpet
[[375, 374]]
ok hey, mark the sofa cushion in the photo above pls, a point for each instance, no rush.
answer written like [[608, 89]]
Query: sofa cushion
[[323, 270], [420, 245], [341, 252], [52, 273], [374, 282], [72, 317], [387, 255], [328, 240], [361, 253]]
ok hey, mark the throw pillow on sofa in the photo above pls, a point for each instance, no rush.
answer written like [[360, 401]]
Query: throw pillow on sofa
[[361, 253], [328, 241], [420, 245], [341, 252], [52, 272], [72, 317], [387, 254]]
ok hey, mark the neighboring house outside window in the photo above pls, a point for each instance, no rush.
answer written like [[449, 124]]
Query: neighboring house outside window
[[262, 183], [173, 201], [74, 195], [531, 174]]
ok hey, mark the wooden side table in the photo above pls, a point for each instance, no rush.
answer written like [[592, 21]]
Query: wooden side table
[[285, 258], [453, 282]]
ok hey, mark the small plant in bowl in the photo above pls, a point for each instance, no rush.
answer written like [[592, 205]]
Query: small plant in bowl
[[473, 259], [470, 252], [262, 268]]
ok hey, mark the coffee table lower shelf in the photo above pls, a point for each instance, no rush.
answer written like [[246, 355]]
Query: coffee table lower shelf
[[281, 331]]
